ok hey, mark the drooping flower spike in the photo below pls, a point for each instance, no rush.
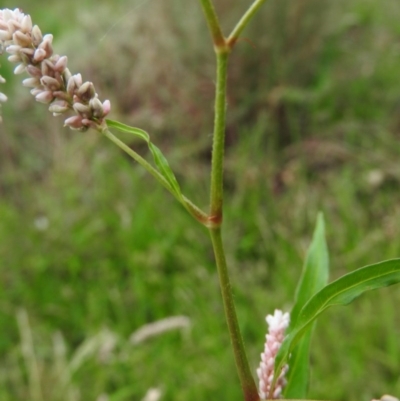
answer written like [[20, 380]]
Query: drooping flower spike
[[50, 80], [277, 324]]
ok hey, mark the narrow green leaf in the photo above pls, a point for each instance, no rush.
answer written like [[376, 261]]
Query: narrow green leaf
[[164, 168], [159, 159], [298, 374], [340, 292], [314, 277], [131, 130], [315, 272]]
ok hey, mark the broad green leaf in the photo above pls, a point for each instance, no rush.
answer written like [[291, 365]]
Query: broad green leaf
[[159, 159], [340, 292], [314, 277]]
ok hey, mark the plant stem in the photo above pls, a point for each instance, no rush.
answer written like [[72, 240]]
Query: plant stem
[[222, 47], [215, 220], [217, 163], [213, 23], [234, 36], [246, 379]]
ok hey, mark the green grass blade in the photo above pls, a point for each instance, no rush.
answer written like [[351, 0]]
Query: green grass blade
[[340, 292], [314, 277]]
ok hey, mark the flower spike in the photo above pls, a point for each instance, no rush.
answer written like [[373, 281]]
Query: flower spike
[[277, 324], [51, 81]]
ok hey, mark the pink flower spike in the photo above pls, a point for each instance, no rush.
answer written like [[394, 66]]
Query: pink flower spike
[[277, 324], [50, 80]]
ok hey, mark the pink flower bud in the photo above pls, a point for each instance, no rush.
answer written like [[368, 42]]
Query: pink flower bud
[[45, 97]]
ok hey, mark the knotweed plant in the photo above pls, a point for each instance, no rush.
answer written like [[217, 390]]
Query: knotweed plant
[[284, 366]]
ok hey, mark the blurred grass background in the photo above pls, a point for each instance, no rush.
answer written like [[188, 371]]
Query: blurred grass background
[[90, 254]]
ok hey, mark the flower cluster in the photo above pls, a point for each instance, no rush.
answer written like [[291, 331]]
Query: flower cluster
[[50, 80], [277, 325]]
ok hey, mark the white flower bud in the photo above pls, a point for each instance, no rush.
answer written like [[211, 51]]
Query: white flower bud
[[19, 69], [22, 39], [50, 83], [37, 36], [3, 98], [59, 107], [39, 55], [81, 108], [33, 71], [26, 23], [61, 64], [15, 58], [36, 91], [31, 82], [45, 97], [74, 122], [13, 49], [5, 35]]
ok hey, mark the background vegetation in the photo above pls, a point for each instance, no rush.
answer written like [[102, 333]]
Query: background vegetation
[[92, 249]]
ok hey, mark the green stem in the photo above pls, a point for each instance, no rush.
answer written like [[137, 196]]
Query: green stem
[[215, 220], [222, 48], [249, 14], [213, 23], [217, 166], [246, 379], [195, 211]]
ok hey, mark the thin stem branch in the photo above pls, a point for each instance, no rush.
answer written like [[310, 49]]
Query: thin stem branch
[[194, 210], [216, 195], [242, 364], [248, 15], [213, 23]]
